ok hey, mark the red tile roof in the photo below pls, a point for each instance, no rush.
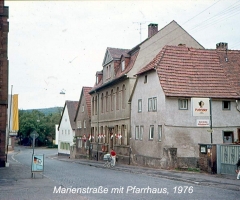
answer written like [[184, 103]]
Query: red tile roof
[[231, 66], [118, 72], [86, 91], [189, 72]]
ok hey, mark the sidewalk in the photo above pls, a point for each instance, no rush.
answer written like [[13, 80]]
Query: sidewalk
[[16, 183], [216, 180]]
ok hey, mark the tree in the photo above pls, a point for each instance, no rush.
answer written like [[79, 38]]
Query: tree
[[44, 124]]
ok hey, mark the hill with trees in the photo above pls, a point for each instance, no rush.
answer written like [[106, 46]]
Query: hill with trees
[[42, 121]]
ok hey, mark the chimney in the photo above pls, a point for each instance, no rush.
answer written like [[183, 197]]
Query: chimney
[[222, 46], [99, 75], [152, 29]]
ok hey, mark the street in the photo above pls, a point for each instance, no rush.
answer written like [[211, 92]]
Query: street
[[71, 180]]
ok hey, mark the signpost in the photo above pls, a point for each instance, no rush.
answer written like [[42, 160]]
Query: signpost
[[37, 160], [34, 136]]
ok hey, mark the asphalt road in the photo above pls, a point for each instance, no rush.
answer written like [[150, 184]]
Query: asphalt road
[[90, 182]]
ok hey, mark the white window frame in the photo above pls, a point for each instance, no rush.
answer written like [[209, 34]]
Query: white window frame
[[139, 105], [152, 104], [159, 133], [123, 65], [141, 133], [136, 132], [151, 132], [82, 108], [84, 124], [183, 104]]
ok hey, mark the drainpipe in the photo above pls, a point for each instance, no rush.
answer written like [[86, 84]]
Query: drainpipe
[[97, 123], [237, 106]]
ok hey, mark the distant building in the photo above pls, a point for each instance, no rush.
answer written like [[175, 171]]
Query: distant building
[[3, 81], [56, 134], [66, 127], [83, 125]]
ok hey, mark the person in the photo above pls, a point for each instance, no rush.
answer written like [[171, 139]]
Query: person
[[238, 171], [113, 155]]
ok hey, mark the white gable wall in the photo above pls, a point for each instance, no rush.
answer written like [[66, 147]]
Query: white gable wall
[[66, 134], [172, 34]]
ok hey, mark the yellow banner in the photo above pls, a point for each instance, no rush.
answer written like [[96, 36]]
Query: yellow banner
[[15, 126]]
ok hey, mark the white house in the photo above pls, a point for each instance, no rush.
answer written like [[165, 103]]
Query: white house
[[66, 127], [162, 108]]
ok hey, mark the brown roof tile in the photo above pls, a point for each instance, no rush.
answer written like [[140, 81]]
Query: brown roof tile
[[193, 72], [116, 52], [72, 108]]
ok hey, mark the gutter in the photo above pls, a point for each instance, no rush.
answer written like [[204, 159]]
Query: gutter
[[108, 83]]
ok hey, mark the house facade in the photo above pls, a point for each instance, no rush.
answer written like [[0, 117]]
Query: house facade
[[82, 121], [4, 139], [163, 118], [66, 128], [111, 111]]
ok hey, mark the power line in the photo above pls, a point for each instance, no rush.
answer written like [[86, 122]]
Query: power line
[[184, 23]]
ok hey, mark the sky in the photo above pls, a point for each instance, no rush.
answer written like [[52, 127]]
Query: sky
[[56, 46]]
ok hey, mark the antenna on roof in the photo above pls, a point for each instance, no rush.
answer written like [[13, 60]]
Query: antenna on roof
[[140, 28]]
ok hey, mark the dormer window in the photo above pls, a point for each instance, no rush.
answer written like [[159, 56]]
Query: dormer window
[[123, 65]]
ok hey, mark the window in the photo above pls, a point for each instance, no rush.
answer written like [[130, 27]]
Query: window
[[183, 104], [82, 108], [117, 98], [151, 132], [111, 100], [228, 137], [96, 100], [102, 103], [139, 105], [107, 102], [107, 73], [159, 133], [123, 96], [145, 79], [123, 65], [226, 105], [79, 124], [137, 132], [84, 124], [152, 104], [80, 143], [68, 132], [141, 133], [93, 106]]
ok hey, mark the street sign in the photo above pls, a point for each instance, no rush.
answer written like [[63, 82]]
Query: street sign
[[34, 134]]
